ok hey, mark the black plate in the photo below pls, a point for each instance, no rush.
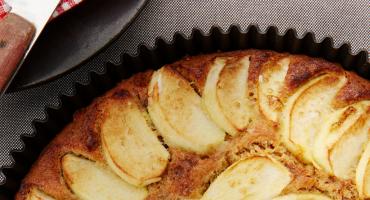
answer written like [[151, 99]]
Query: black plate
[[72, 38]]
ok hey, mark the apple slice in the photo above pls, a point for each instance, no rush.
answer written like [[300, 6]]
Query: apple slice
[[363, 173], [340, 142], [252, 178], [310, 110], [177, 111], [232, 93], [346, 153], [270, 84], [285, 117], [90, 180], [303, 196], [210, 99], [36, 194], [130, 146], [225, 94]]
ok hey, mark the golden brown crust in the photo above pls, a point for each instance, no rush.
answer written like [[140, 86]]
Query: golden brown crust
[[46, 171], [356, 89], [304, 68], [194, 171], [136, 85], [188, 174]]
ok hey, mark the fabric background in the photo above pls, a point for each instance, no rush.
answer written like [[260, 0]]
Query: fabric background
[[346, 21], [4, 8], [64, 6]]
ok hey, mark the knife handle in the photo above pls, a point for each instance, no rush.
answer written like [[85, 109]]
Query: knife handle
[[16, 34]]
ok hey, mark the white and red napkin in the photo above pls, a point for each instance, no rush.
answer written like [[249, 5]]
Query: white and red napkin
[[4, 8], [63, 6]]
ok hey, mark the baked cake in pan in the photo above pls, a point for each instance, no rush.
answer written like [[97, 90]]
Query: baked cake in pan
[[237, 125]]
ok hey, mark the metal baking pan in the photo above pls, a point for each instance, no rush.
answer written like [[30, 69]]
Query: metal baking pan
[[154, 57]]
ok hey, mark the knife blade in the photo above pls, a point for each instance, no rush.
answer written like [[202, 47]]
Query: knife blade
[[19, 31]]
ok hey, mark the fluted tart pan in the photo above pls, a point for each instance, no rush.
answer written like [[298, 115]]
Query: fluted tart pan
[[241, 102]]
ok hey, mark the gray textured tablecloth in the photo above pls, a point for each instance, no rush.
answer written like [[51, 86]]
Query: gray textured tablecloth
[[344, 20]]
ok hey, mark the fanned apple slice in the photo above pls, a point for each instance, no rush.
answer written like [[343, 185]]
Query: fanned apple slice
[[129, 144], [270, 84], [285, 117], [36, 194], [363, 173], [177, 111], [232, 93], [90, 181], [310, 110], [340, 142], [225, 94], [252, 178], [303, 196], [345, 154], [210, 99]]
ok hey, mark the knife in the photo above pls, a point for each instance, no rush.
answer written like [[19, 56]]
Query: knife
[[19, 30]]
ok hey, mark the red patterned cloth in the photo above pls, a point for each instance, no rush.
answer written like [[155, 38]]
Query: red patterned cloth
[[4, 8], [63, 6]]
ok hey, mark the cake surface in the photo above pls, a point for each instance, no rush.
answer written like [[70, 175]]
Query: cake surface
[[250, 124]]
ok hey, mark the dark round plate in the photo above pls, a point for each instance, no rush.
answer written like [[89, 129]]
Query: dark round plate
[[72, 38]]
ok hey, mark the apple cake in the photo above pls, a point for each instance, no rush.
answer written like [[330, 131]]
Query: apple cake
[[250, 124]]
